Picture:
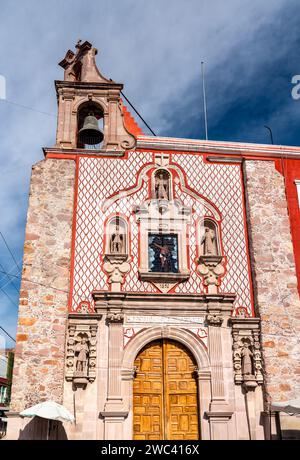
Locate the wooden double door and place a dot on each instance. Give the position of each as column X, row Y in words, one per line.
column 165, row 396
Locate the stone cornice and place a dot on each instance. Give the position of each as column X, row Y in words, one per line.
column 133, row 302
column 108, row 295
column 237, row 149
column 242, row 323
column 104, row 86
column 84, row 316
column 85, row 152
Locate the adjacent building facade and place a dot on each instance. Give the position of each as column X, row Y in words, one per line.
column 159, row 296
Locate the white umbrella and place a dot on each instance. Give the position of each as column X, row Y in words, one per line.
column 291, row 407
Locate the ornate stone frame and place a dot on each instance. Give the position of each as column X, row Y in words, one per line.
column 215, row 407
column 174, row 219
column 195, row 346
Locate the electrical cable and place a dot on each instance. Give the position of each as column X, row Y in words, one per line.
column 10, row 251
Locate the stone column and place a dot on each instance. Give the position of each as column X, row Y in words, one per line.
column 114, row 413
column 220, row 412
column 204, row 393
column 113, row 101
column 215, row 351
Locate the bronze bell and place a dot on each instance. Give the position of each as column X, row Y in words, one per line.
column 90, row 134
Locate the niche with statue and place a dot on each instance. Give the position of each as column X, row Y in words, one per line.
column 211, row 262
column 116, row 251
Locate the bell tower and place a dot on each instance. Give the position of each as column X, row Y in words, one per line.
column 89, row 103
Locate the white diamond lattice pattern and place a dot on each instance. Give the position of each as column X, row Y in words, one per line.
column 100, row 178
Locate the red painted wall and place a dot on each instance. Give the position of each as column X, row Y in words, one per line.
column 291, row 171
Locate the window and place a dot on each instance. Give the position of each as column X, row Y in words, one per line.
column 163, row 253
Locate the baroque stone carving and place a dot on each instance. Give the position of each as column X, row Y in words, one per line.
column 211, row 268
column 81, row 352
column 116, row 267
column 214, row 320
column 247, row 359
column 117, row 241
column 209, row 242
column 161, row 186
column 115, row 317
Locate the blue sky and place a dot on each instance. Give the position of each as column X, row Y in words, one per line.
column 155, row 47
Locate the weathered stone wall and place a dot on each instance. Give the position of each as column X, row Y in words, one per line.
column 274, row 276
column 39, row 361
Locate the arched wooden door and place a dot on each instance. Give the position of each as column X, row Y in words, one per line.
column 165, row 399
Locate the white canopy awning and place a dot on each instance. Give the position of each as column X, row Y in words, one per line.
column 49, row 410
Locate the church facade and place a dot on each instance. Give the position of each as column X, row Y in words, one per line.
column 159, row 293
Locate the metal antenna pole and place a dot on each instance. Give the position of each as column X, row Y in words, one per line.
column 271, row 134
column 204, row 100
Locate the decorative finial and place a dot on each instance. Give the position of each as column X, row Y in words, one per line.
column 78, row 44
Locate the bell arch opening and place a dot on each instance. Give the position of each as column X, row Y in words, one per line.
column 165, row 392
column 90, row 126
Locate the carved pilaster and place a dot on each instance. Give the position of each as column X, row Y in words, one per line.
column 211, row 268
column 247, row 359
column 214, row 321
column 114, row 319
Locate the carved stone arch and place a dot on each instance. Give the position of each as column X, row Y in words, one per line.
column 81, row 100
column 183, row 336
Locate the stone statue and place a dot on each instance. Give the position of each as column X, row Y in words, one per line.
column 117, row 242
column 209, row 242
column 161, row 187
column 82, row 349
column 247, row 356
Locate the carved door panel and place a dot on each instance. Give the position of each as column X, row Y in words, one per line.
column 165, row 403
column 148, row 393
column 181, row 392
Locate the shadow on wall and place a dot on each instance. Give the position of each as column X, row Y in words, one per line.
column 42, row 429
column 290, row 435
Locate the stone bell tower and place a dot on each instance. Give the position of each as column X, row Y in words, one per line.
column 84, row 90
column 48, row 263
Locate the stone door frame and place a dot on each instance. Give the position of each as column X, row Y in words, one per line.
column 196, row 348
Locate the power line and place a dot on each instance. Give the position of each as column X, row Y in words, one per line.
column 35, row 282
column 7, row 333
column 138, row 114
column 11, row 281
column 13, row 257
column 12, row 301
column 52, row 115
column 28, row 108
